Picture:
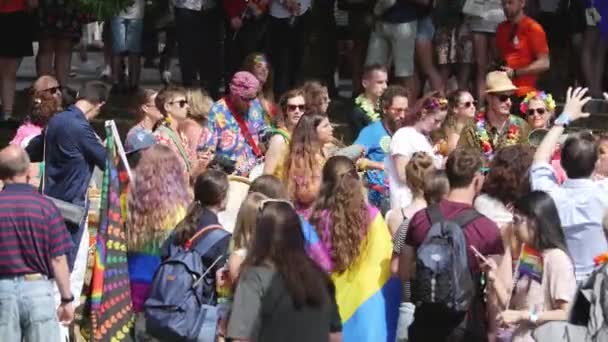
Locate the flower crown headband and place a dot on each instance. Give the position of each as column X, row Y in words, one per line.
column 546, row 98
column 435, row 103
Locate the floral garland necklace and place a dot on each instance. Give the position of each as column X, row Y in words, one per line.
column 368, row 107
column 488, row 145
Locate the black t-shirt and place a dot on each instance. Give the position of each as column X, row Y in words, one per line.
column 263, row 310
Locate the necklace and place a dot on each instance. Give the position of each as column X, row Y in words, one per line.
column 368, row 107
column 488, row 145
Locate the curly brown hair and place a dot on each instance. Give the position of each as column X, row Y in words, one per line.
column 304, row 151
column 42, row 107
column 281, row 117
column 341, row 204
column 417, row 171
column 508, row 179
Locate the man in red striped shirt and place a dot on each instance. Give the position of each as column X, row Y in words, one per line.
column 33, row 246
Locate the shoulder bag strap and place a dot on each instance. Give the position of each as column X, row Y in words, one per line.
column 466, row 217
column 215, row 234
column 43, row 180
column 244, row 128
column 178, row 142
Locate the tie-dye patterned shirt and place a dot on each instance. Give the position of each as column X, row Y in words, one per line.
column 226, row 138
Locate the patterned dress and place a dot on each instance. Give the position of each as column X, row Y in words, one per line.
column 227, row 139
column 61, row 18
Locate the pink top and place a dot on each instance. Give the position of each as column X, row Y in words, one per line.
column 25, row 133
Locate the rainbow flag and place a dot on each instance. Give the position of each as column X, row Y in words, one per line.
column 108, row 308
column 530, row 264
column 368, row 296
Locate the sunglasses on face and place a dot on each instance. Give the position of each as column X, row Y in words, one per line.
column 469, row 104
column 182, row 103
column 504, row 98
column 53, row 90
column 540, row 111
column 292, row 108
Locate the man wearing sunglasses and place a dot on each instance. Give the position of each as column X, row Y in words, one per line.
column 496, row 128
column 236, row 124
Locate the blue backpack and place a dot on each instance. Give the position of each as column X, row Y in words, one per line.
column 177, row 308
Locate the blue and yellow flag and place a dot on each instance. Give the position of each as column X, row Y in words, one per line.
column 368, row 296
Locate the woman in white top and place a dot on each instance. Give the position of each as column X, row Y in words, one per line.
column 430, row 112
column 506, row 182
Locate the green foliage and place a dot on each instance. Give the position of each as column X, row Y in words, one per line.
column 103, row 9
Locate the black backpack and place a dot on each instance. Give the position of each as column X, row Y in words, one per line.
column 443, row 275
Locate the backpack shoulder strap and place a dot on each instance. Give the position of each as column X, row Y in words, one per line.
column 466, row 217
column 194, row 240
column 435, row 214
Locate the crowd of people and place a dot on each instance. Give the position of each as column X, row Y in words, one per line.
column 447, row 219
column 438, row 45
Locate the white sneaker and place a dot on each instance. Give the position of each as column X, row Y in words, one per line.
column 106, row 72
column 166, row 77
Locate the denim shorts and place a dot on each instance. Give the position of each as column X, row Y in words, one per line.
column 28, row 310
column 426, row 29
column 127, row 35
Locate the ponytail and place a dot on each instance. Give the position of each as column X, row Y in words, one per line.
column 187, row 227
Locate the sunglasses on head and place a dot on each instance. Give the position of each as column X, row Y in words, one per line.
column 291, row 108
column 540, row 111
column 272, row 200
column 53, row 90
column 469, row 104
column 182, row 103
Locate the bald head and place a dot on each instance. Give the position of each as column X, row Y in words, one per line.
column 14, row 163
column 45, row 82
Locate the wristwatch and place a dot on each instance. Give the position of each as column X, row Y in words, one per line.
column 533, row 317
column 67, row 300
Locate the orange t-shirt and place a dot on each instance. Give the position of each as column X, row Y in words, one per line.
column 9, row 6
column 521, row 50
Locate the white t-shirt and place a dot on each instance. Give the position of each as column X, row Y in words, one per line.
column 405, row 142
column 135, row 11
column 494, row 210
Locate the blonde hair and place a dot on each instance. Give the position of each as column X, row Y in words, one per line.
column 417, row 170
column 199, row 103
column 244, row 228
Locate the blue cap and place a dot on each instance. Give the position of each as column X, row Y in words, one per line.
column 139, row 141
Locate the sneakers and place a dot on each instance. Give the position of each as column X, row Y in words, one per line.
column 106, row 73
column 165, row 77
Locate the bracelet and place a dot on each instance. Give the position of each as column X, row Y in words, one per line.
column 562, row 120
column 67, row 300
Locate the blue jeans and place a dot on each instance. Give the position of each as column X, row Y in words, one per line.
column 127, row 35
column 28, row 310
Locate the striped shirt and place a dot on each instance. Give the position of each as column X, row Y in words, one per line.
column 32, row 232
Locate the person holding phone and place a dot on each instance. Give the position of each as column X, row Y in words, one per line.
column 533, row 298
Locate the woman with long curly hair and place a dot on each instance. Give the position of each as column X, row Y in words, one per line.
column 316, row 96
column 349, row 239
column 157, row 202
column 302, row 170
